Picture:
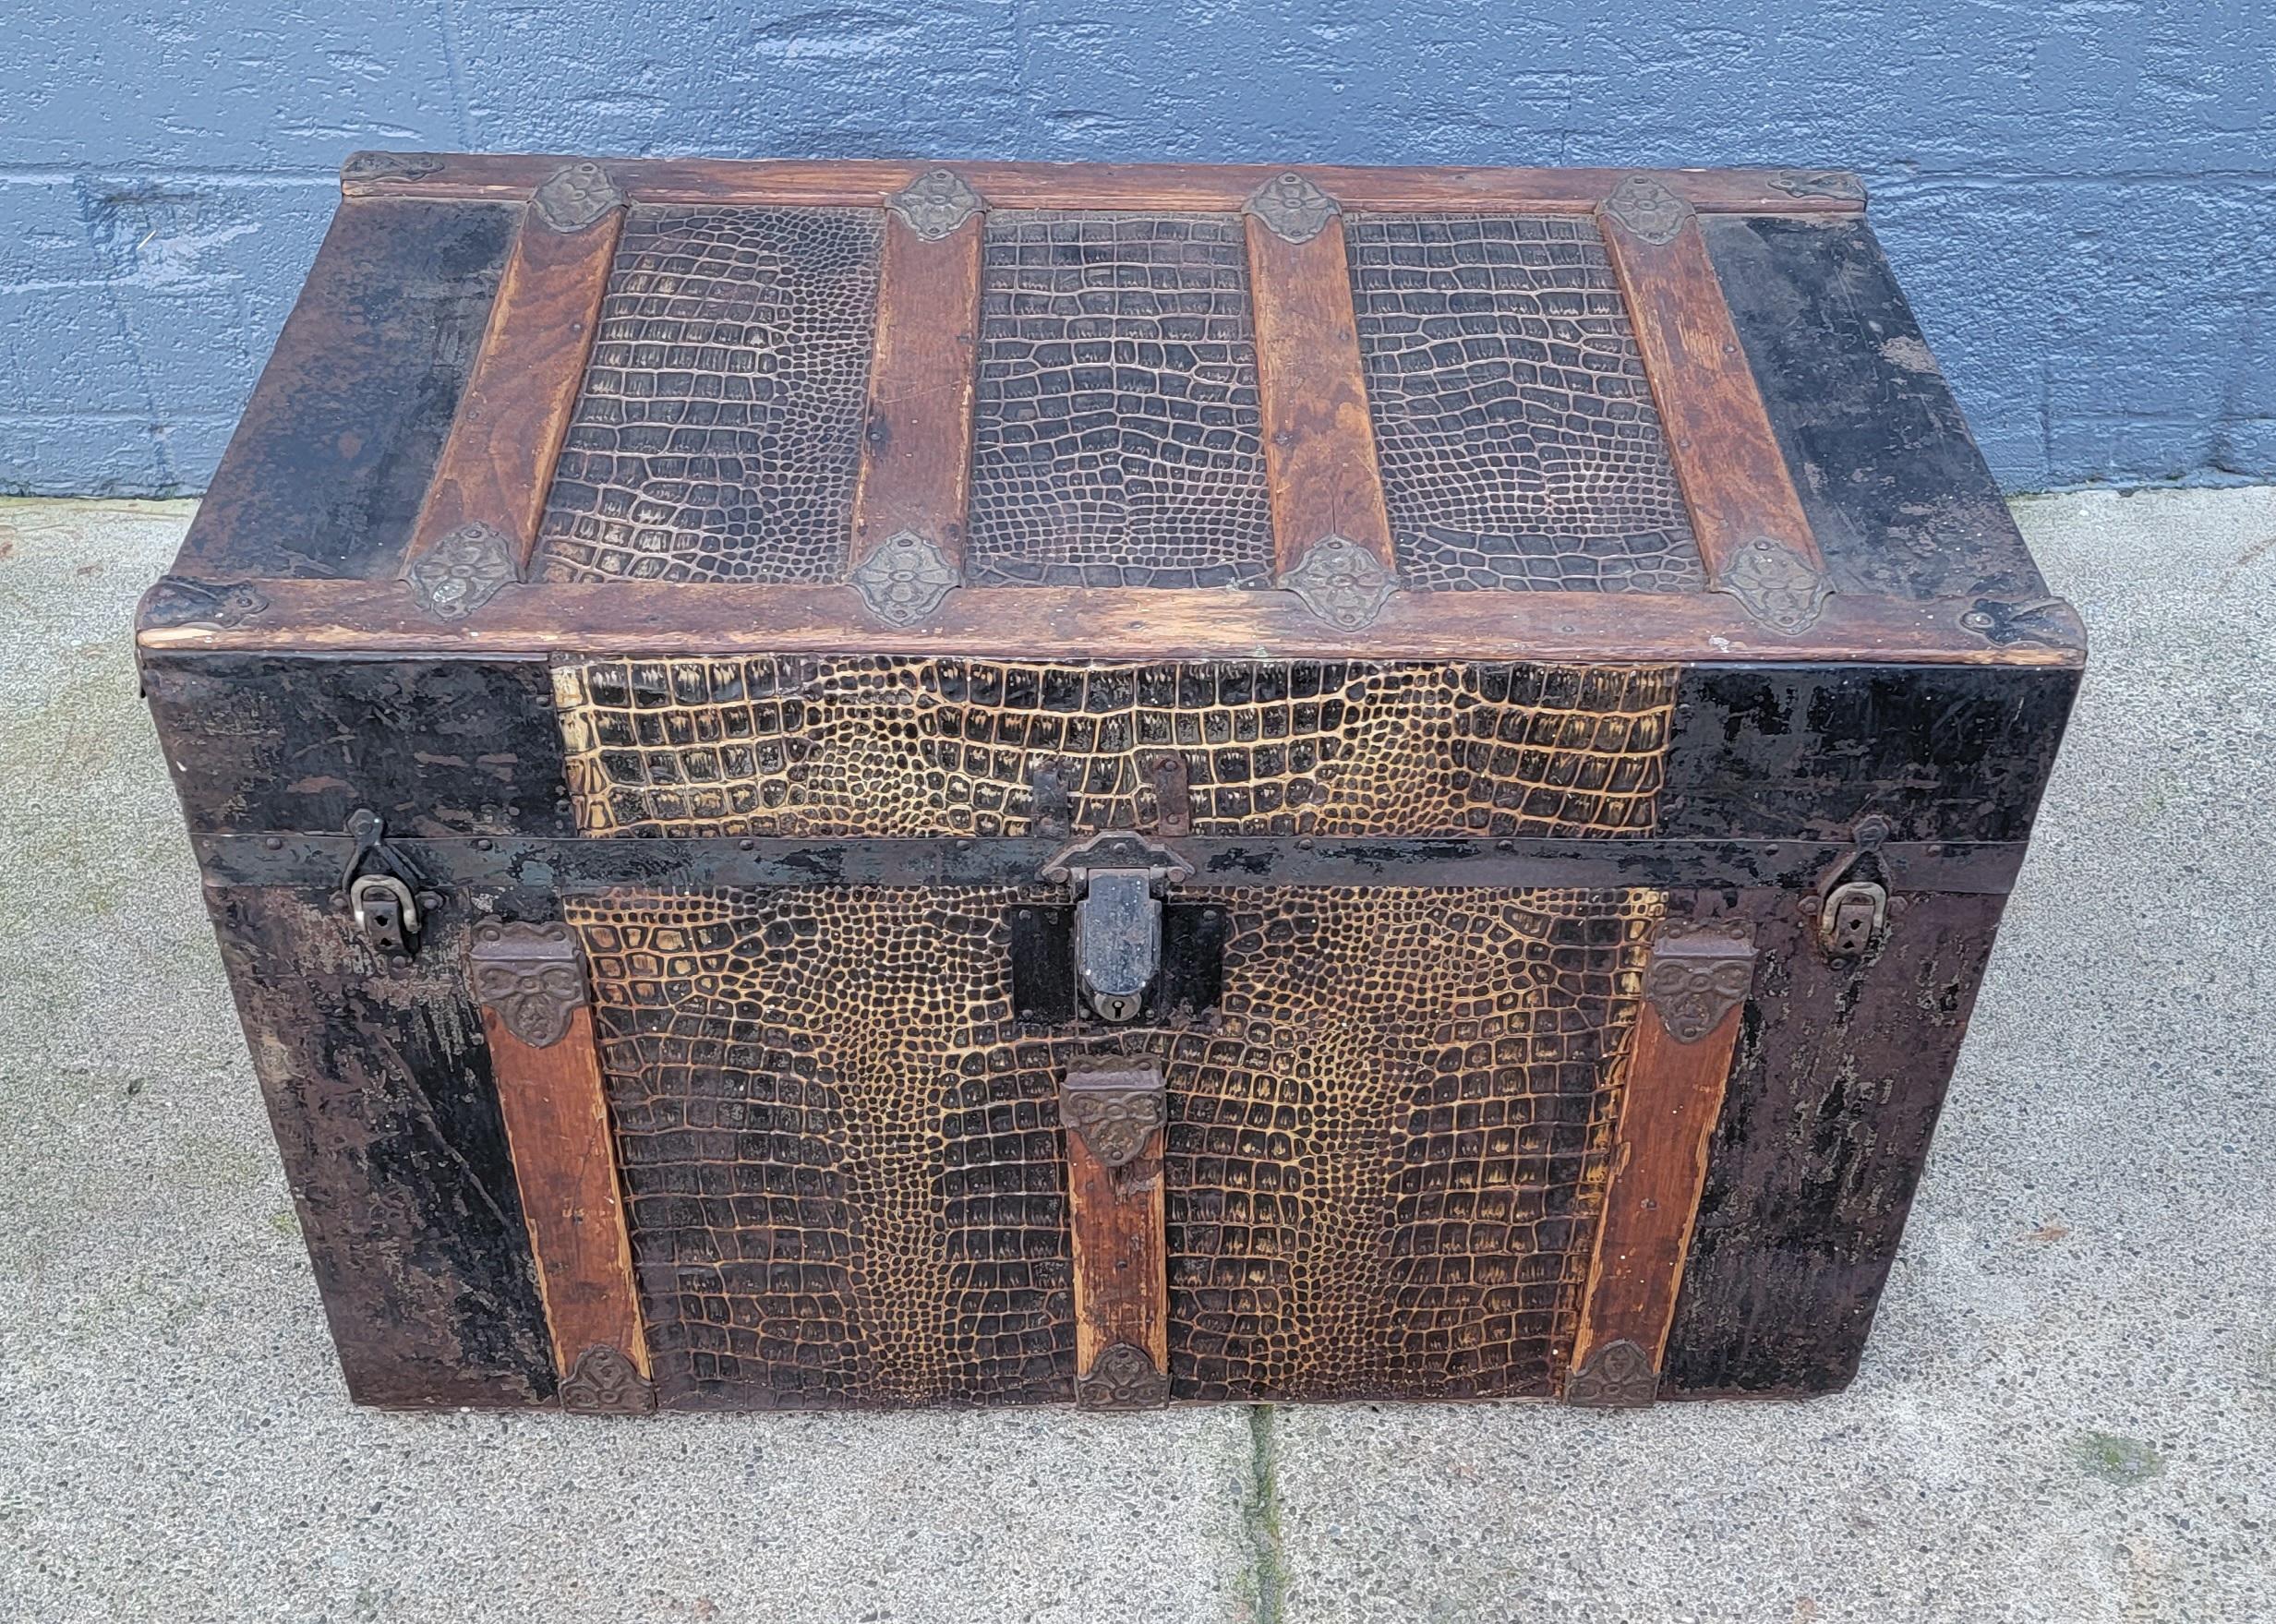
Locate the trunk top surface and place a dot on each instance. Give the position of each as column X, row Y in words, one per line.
column 1104, row 413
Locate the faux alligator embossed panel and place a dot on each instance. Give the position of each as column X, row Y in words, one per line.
column 716, row 434
column 888, row 746
column 1519, row 443
column 1116, row 438
column 846, row 1176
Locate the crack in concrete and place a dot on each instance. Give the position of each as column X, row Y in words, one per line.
column 1261, row 1519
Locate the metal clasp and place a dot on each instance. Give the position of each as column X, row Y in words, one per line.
column 1118, row 880
column 1852, row 916
column 385, row 912
column 385, row 907
column 1853, row 904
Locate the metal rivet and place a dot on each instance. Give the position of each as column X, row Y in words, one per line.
column 746, row 846
column 273, row 843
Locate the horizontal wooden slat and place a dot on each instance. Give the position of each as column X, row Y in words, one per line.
column 866, row 182
column 1042, row 622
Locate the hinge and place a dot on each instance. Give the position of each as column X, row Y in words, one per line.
column 1118, row 880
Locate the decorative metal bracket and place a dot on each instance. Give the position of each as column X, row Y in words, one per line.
column 371, row 167
column 606, row 1383
column 576, row 196
column 1342, row 582
column 905, row 580
column 1115, row 1104
column 1819, row 183
column 531, row 976
column 1776, row 585
column 176, row 600
column 1649, row 211
column 936, row 203
column 1619, row 1375
column 1693, row 981
column 462, row 572
column 1292, row 207
column 1124, row 1376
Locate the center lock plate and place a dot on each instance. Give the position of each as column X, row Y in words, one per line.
column 1124, row 952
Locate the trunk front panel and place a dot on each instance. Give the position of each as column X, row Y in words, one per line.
column 845, row 1177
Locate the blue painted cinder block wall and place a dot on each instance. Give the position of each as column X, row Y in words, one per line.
column 2080, row 195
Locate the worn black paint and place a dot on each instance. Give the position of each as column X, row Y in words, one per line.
column 1890, row 477
column 1840, row 1073
column 295, row 742
column 378, row 1086
column 328, row 468
column 1942, row 752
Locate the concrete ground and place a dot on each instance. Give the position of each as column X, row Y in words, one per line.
column 2067, row 1413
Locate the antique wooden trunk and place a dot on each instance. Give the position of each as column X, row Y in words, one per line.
column 883, row 784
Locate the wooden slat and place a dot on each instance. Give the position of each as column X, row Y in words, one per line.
column 643, row 617
column 1674, row 1092
column 1319, row 439
column 1116, row 1229
column 1727, row 459
column 497, row 463
column 917, row 445
column 866, row 182
column 556, row 1115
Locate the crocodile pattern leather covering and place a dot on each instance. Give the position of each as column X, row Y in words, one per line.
column 1117, row 440
column 909, row 746
column 1518, row 440
column 717, row 433
column 846, row 1178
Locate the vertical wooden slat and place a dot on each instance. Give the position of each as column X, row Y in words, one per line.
column 497, row 463
column 1116, row 1226
column 529, row 982
column 1736, row 485
column 1695, row 990
column 1319, row 439
column 915, row 472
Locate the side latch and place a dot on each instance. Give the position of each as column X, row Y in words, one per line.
column 382, row 890
column 1118, row 880
column 1852, row 905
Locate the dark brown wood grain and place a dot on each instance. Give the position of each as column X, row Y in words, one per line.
column 379, row 1090
column 1667, row 1111
column 1839, row 1079
column 1116, row 1228
column 1319, row 439
column 917, row 444
column 860, row 183
column 565, row 1161
column 328, row 467
column 497, row 463
column 1896, row 491
column 1041, row 623
column 1735, row 480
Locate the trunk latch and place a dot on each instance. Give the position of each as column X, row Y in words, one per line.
column 1118, row 880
